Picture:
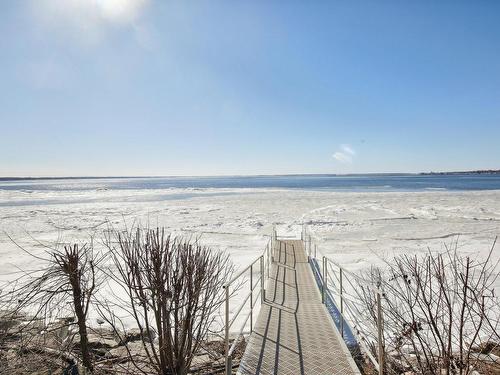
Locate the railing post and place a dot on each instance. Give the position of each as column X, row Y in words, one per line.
column 251, row 298
column 308, row 250
column 268, row 258
column 262, row 290
column 341, row 304
column 271, row 249
column 323, row 286
column 302, row 241
column 226, row 340
column 380, row 335
column 315, row 250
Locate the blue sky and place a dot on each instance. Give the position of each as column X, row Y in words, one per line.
column 138, row 87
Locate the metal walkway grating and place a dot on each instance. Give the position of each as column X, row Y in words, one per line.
column 294, row 333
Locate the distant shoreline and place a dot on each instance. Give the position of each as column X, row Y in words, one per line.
column 452, row 173
column 480, row 171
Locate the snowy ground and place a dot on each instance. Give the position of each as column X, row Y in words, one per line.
column 357, row 229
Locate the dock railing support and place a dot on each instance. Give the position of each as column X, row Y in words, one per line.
column 251, row 297
column 258, row 285
column 325, row 278
column 309, row 246
column 380, row 335
column 344, row 278
column 268, row 251
column 341, row 303
column 262, row 273
column 228, row 357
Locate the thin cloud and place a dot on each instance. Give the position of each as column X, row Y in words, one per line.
column 345, row 154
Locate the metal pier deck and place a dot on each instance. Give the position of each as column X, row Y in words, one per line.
column 294, row 333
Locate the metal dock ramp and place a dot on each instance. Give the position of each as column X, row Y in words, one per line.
column 293, row 332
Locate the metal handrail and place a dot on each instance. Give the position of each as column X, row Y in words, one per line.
column 350, row 306
column 239, row 274
column 358, row 278
column 311, row 247
column 264, row 260
column 240, row 333
column 243, row 303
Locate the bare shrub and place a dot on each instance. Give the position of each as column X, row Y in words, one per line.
column 66, row 276
column 174, row 291
column 439, row 311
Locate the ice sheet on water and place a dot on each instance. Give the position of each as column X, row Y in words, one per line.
column 357, row 229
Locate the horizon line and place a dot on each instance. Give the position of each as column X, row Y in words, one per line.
column 89, row 177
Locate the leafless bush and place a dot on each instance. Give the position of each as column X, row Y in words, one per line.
column 439, row 311
column 66, row 276
column 174, row 291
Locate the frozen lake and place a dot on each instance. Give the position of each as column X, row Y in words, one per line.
column 358, row 228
